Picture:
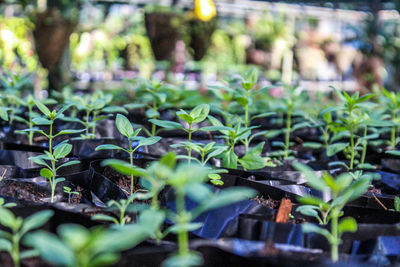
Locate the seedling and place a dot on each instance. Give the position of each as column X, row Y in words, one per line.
column 93, row 106
column 188, row 181
column 392, row 101
column 233, row 135
column 290, row 105
column 13, row 84
column 18, row 228
column 125, row 128
column 69, row 191
column 151, row 95
column 153, row 177
column 342, row 190
column 244, row 96
column 54, row 154
column 76, row 246
column 197, row 115
column 121, row 206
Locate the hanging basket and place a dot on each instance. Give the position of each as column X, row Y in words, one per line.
column 163, row 31
column 51, row 36
column 200, row 36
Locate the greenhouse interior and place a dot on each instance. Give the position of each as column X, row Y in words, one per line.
column 215, row 133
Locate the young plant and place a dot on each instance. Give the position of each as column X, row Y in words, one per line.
column 392, row 104
column 232, row 135
column 69, row 192
column 54, row 154
column 121, row 206
column 153, row 178
column 93, row 105
column 189, row 181
column 351, row 121
column 76, row 246
column 342, row 190
column 13, row 85
column 206, row 151
column 196, row 115
column 289, row 106
column 10, row 241
column 243, row 96
column 151, row 95
column 126, row 129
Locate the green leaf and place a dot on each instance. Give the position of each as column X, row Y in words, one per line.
column 69, row 163
column 41, row 121
column 311, row 228
column 134, row 106
column 5, row 245
column 51, row 248
column 336, row 148
column 188, row 259
column 184, row 116
column 36, row 220
column 393, row 152
column 114, row 109
column 124, row 126
column 62, row 132
column 169, row 160
column 103, row 217
column 42, row 108
column 312, row 179
column 366, row 166
column 62, row 150
column 38, row 160
column 46, row 173
column 124, row 167
column 347, row 224
column 215, row 128
column 200, row 113
column 309, row 210
column 108, row 146
column 223, row 198
column 313, row 145
column 166, row 124
column 252, row 161
column 310, row 200
column 149, row 141
column 7, row 218
column 187, row 227
column 242, row 101
column 396, row 203
column 31, row 253
column 263, row 115
column 229, row 159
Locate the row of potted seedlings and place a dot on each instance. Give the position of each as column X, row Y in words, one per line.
column 181, row 178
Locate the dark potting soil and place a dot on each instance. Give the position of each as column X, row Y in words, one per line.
column 121, row 180
column 6, row 261
column 22, row 190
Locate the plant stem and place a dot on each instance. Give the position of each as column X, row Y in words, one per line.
column 334, row 232
column 393, row 131
column 52, row 181
column 364, row 151
column 190, row 140
column 15, row 250
column 94, row 124
column 131, row 162
column 288, row 130
column 246, row 112
column 183, row 240
column 51, row 138
column 30, row 124
column 352, row 147
column 87, row 123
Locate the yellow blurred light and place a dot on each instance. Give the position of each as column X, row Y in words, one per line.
column 205, row 9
